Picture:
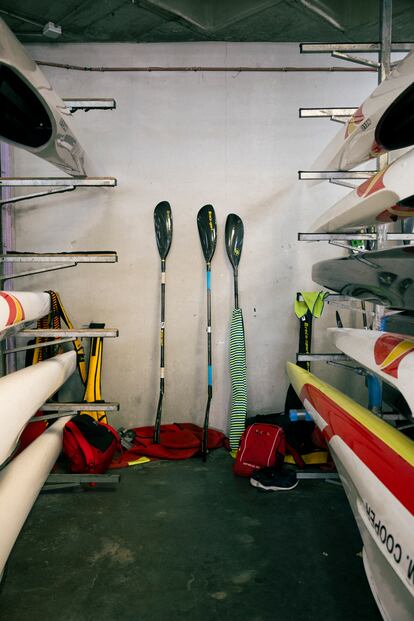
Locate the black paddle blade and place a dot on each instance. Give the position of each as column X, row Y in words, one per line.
column 207, row 229
column 338, row 320
column 163, row 227
column 234, row 238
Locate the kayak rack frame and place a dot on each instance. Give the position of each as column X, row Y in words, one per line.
column 90, row 104
column 339, row 115
column 61, row 184
column 335, row 237
column 64, row 260
column 63, row 332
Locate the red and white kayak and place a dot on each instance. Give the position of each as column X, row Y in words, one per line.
column 23, row 392
column 386, row 197
column 32, row 115
column 20, row 307
column 376, row 466
column 389, row 355
column 384, row 122
column 21, row 481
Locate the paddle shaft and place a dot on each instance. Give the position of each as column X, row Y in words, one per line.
column 210, row 363
column 162, row 356
column 236, row 286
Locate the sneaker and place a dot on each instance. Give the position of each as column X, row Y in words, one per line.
column 273, row 480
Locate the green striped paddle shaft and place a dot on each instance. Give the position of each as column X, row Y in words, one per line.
column 238, row 375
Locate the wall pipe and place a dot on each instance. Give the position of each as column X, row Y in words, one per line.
column 210, row 69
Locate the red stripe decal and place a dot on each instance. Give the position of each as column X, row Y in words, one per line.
column 11, row 302
column 388, row 466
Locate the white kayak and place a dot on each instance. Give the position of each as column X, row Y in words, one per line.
column 23, row 392
column 20, row 307
column 376, row 466
column 386, row 197
column 384, row 122
column 389, row 355
column 21, row 481
column 32, row 115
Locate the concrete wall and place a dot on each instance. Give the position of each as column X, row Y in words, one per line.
column 230, row 139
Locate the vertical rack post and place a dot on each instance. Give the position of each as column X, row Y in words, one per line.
column 8, row 364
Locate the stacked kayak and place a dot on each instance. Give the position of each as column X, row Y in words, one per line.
column 391, row 356
column 384, row 277
column 374, row 460
column 21, row 481
column 23, row 392
column 33, row 116
column 384, row 122
column 21, row 395
column 386, row 197
column 376, row 466
column 19, row 307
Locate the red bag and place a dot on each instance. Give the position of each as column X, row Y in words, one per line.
column 259, row 446
column 88, row 445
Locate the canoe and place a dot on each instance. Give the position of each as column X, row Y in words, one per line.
column 23, row 392
column 391, row 356
column 383, row 122
column 33, row 115
column 386, row 197
column 376, row 466
column 20, row 307
column 21, row 481
column 383, row 277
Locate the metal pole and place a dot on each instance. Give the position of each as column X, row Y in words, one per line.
column 375, row 385
column 7, row 244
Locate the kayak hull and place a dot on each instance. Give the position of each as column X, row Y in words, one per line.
column 21, row 481
column 22, row 393
column 33, row 115
column 388, row 355
column 382, row 123
column 387, row 197
column 376, row 465
column 20, row 307
column 383, row 277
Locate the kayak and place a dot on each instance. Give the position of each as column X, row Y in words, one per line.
column 391, row 356
column 386, row 197
column 376, row 465
column 21, row 481
column 383, row 122
column 23, row 392
column 33, row 115
column 383, row 277
column 21, row 307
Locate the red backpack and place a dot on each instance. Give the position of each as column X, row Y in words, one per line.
column 259, row 446
column 89, row 445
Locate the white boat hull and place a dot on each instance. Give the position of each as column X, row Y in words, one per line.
column 20, row 307
column 376, row 466
column 21, row 481
column 358, row 140
column 33, row 116
column 388, row 355
column 23, row 392
column 383, row 198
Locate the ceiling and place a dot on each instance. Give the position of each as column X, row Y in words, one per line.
column 206, row 20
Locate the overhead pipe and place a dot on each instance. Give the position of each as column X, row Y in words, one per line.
column 207, row 69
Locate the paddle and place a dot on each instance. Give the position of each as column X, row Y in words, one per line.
column 234, row 235
column 163, row 233
column 207, row 229
column 234, row 245
column 292, row 401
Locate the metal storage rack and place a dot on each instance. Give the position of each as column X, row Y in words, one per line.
column 383, row 66
column 57, row 261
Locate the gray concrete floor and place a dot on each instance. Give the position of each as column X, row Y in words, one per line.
column 187, row 540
